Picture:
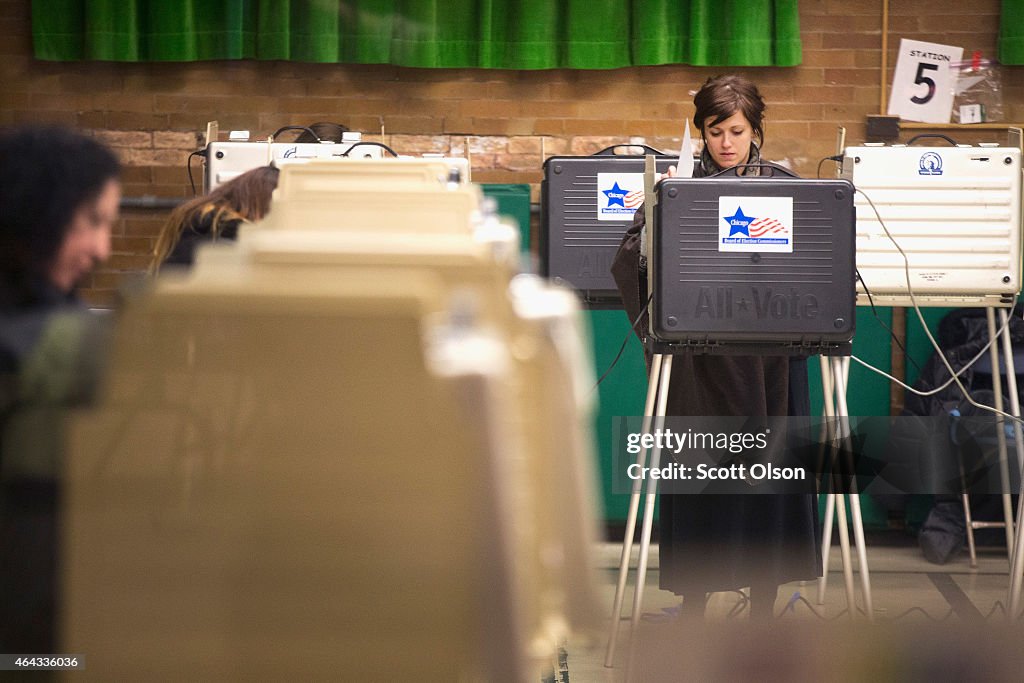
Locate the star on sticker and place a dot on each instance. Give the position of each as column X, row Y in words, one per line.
column 616, row 195
column 738, row 223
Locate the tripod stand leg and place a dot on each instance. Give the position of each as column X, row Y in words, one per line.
column 827, row 393
column 842, row 414
column 826, row 544
column 1016, row 571
column 844, row 548
column 1016, row 566
column 862, row 554
column 972, row 551
column 634, row 505
column 652, row 489
column 1004, row 463
column 648, row 519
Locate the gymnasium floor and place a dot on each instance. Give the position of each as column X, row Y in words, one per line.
column 912, row 599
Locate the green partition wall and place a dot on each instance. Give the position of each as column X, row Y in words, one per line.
column 624, row 389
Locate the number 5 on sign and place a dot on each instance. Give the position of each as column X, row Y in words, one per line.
column 922, row 87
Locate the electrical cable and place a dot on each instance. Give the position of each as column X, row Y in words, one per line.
column 370, row 144
column 797, row 598
column 624, row 342
column 912, row 610
column 997, row 606
column 284, row 128
column 188, row 164
column 835, row 157
column 955, row 376
column 932, row 392
column 881, row 322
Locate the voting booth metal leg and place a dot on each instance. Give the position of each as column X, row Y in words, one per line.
column 1016, row 566
column 648, row 518
column 652, row 491
column 1004, row 469
column 830, row 498
column 834, row 373
column 634, row 505
column 858, row 520
column 1004, row 461
column 844, row 530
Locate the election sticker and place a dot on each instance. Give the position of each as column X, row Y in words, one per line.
column 619, row 195
column 755, row 224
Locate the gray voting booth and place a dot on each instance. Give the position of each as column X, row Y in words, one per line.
column 753, row 265
column 587, row 204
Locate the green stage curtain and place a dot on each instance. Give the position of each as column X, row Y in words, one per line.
column 493, row 34
column 1011, row 32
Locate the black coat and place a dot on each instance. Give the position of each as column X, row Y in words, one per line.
column 714, row 542
column 50, row 352
column 199, row 231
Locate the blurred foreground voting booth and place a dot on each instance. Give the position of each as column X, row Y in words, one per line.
column 356, row 443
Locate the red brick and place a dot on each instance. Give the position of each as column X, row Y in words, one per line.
column 810, row 8
column 549, row 127
column 554, row 145
column 122, row 262
column 131, row 245
column 521, row 126
column 823, row 94
column 854, row 7
column 827, row 57
column 419, row 144
column 851, row 77
column 132, row 121
column 867, row 23
column 582, row 145
column 524, row 145
column 597, row 127
column 91, row 119
column 137, row 174
column 556, row 109
column 131, row 139
column 175, row 139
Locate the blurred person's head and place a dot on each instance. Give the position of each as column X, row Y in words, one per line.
column 245, row 198
column 59, row 198
column 730, row 115
column 323, row 131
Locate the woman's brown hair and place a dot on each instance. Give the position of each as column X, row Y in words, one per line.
column 722, row 96
column 246, row 198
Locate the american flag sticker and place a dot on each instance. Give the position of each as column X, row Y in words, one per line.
column 761, row 224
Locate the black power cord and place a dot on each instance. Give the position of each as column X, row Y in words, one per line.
column 838, row 158
column 892, row 334
column 370, row 144
column 624, row 342
column 284, row 128
column 188, row 164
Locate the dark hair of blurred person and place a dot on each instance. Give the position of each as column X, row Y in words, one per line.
column 59, row 198
column 213, row 216
column 324, row 131
column 59, row 195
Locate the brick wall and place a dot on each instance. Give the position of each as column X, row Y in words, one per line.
column 153, row 114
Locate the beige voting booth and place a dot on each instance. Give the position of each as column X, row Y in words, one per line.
column 332, row 454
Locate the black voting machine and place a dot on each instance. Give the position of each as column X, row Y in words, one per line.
column 753, row 265
column 585, row 211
